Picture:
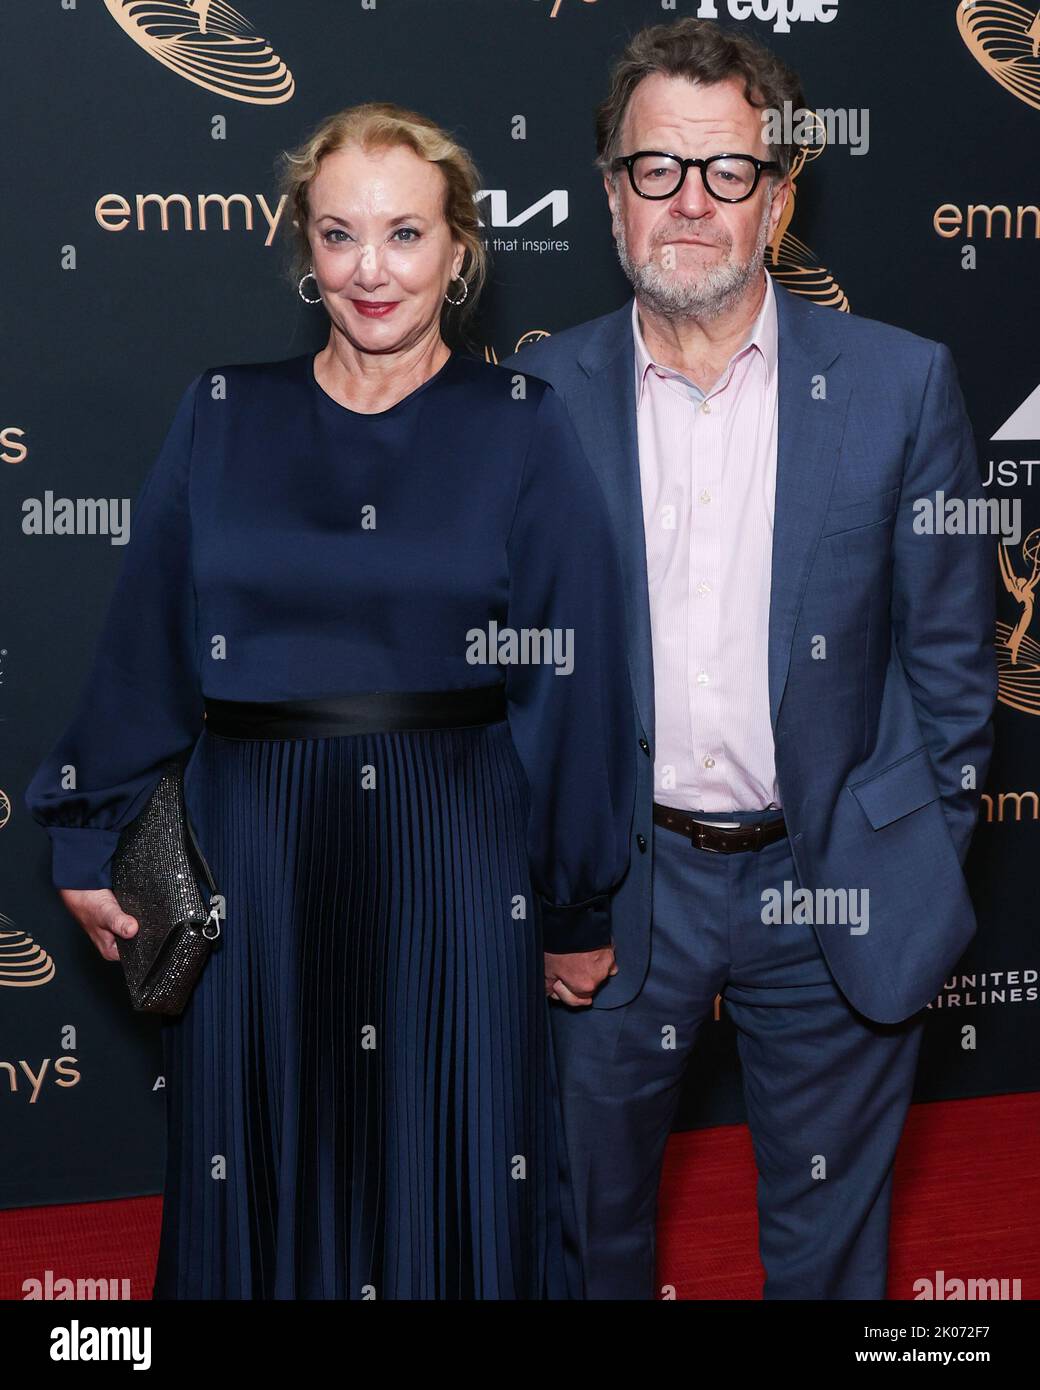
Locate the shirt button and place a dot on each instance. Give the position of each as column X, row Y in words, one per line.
column 705, row 495
column 709, row 761
column 706, row 407
column 702, row 678
column 704, row 587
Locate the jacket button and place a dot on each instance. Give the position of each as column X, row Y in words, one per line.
column 641, row 842
column 644, row 746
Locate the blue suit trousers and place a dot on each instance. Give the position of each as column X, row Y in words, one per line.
column 826, row 1089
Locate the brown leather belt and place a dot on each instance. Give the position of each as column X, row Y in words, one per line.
column 754, row 835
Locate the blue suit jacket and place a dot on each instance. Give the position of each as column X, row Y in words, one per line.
column 874, row 742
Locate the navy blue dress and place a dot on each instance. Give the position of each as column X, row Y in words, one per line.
column 361, row 1092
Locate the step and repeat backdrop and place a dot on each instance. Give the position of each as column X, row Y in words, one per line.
column 143, row 238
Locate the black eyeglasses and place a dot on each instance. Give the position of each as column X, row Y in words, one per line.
column 728, row 177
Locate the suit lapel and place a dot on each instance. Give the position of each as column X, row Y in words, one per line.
column 604, row 414
column 810, row 426
column 809, row 433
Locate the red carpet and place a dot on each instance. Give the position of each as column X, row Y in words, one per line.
column 966, row 1180
column 964, row 1201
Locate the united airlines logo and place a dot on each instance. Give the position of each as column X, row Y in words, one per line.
column 1005, row 39
column 208, row 43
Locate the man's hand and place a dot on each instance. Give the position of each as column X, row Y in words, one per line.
column 575, row 976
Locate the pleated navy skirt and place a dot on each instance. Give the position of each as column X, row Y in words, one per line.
column 361, row 1097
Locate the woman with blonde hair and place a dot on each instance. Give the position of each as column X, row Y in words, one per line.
column 325, row 555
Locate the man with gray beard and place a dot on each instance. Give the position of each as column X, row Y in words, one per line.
column 814, row 683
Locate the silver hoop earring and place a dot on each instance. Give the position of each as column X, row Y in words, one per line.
column 309, row 276
column 465, row 292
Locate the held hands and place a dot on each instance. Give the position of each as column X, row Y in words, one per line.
column 99, row 914
column 574, row 977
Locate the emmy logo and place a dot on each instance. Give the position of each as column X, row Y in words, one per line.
column 789, row 260
column 201, row 8
column 23, row 963
column 531, row 336
column 1018, row 655
column 208, row 43
column 1005, row 39
column 556, row 4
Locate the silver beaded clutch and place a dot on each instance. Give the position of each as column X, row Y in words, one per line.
column 155, row 872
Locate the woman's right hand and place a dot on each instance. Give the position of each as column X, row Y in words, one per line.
column 98, row 912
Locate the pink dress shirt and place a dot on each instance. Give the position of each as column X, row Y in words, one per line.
column 707, row 466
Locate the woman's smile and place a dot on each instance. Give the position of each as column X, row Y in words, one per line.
column 375, row 308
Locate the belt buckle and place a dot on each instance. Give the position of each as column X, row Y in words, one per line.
column 697, row 837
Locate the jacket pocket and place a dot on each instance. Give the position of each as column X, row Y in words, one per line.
column 863, row 511
column 897, row 790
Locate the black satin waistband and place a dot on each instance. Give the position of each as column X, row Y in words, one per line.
column 370, row 712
